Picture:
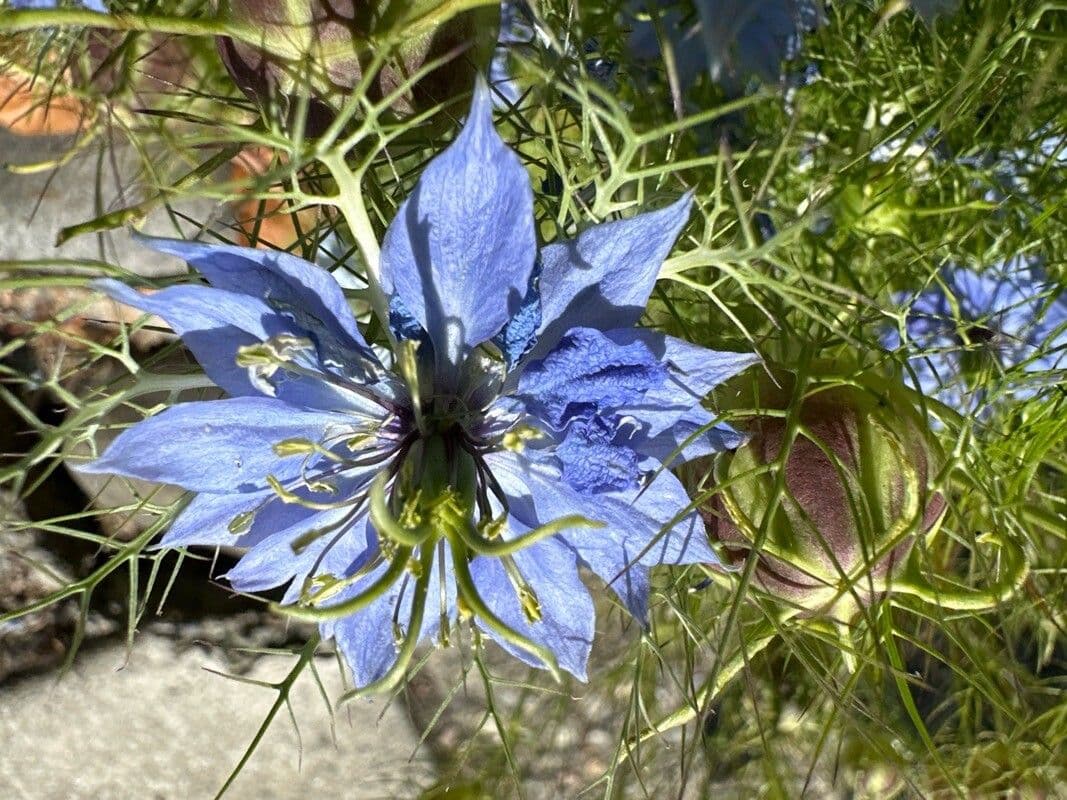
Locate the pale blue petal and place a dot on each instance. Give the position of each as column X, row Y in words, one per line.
column 640, row 529
column 567, row 623
column 273, row 562
column 289, row 285
column 402, row 323
column 366, row 638
column 212, row 323
column 344, row 557
column 215, row 323
column 696, row 430
column 216, row 445
column 344, row 547
column 693, row 372
column 520, row 333
column 206, row 520
column 603, row 278
column 460, row 250
column 593, row 459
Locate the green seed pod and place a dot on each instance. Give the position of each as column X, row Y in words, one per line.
column 321, row 48
column 855, row 495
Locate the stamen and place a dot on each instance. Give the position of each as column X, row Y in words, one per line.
column 407, row 647
column 516, row 438
column 384, row 521
column 531, row 605
column 312, row 610
column 469, row 592
column 303, row 447
column 242, row 523
column 287, row 496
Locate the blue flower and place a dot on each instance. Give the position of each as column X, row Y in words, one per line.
column 1007, row 318
column 929, row 10
column 732, row 39
column 516, row 433
column 92, row 5
column 516, row 32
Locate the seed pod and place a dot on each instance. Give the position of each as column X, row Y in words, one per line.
column 322, row 47
column 855, row 497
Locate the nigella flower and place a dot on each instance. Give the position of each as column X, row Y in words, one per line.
column 517, row 433
column 731, row 39
column 92, row 5
column 929, row 10
column 516, row 32
column 1005, row 318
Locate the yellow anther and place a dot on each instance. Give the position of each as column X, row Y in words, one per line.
column 516, row 439
column 242, row 523
column 294, row 447
column 531, row 606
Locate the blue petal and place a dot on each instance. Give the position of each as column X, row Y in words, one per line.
column 567, row 623
column 460, row 250
column 402, row 323
column 603, row 278
column 273, row 562
column 366, row 638
column 289, row 285
column 206, row 520
column 520, row 333
column 216, row 445
column 592, row 460
column 515, row 29
column 640, row 526
column 693, row 372
column 214, row 323
column 696, row 431
column 754, row 36
column 585, row 372
column 686, row 44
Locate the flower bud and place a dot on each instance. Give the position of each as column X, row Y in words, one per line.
column 855, row 496
column 321, row 48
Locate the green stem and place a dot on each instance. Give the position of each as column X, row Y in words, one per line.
column 716, row 682
column 283, row 688
column 349, row 200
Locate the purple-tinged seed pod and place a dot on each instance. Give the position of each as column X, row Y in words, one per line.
column 856, row 496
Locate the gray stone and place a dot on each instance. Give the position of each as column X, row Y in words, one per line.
column 35, row 207
column 160, row 725
column 55, row 321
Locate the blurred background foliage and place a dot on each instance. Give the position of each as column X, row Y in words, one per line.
column 890, row 145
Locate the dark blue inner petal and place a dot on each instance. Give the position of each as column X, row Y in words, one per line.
column 520, row 333
column 593, row 458
column 403, row 322
column 585, row 372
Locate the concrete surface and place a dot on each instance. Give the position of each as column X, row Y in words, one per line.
column 35, row 207
column 163, row 728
